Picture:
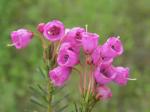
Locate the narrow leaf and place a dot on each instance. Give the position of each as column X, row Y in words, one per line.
column 35, row 90
column 76, row 108
column 42, row 89
column 36, row 101
column 38, row 93
column 57, row 102
column 62, row 108
column 42, row 72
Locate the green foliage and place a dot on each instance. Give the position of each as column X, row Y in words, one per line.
column 40, row 93
column 126, row 18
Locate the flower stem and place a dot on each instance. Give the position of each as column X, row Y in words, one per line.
column 49, row 96
column 88, row 106
column 50, row 59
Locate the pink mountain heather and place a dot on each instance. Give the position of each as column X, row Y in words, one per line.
column 40, row 27
column 74, row 36
column 54, row 30
column 21, row 38
column 89, row 42
column 112, row 48
column 67, row 57
column 68, row 47
column 122, row 75
column 103, row 93
column 104, row 74
column 59, row 75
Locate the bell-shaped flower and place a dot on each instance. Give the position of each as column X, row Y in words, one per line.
column 89, row 42
column 74, row 36
column 112, row 48
column 59, row 75
column 122, row 75
column 96, row 56
column 68, row 46
column 54, row 30
column 21, row 38
column 67, row 57
column 104, row 74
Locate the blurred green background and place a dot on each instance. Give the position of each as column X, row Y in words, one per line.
column 130, row 19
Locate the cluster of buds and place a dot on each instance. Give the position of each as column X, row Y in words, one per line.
column 73, row 46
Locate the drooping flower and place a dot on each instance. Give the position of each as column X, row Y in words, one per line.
column 105, row 59
column 89, row 42
column 54, row 30
column 74, row 36
column 122, row 75
column 104, row 74
column 67, row 57
column 112, row 48
column 40, row 27
column 21, row 38
column 59, row 75
column 96, row 56
column 68, row 46
column 103, row 92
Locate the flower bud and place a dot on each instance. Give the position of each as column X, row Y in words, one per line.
column 21, row 38
column 40, row 27
column 103, row 93
column 59, row 75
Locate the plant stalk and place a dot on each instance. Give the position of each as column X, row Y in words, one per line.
column 49, row 97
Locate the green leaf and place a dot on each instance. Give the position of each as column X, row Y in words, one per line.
column 57, row 102
column 42, row 89
column 76, row 108
column 36, row 101
column 35, row 90
column 39, row 94
column 42, row 73
column 62, row 108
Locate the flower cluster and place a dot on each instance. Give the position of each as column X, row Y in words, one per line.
column 70, row 43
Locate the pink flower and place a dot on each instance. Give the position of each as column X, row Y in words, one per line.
column 21, row 38
column 112, row 48
column 54, row 30
column 69, row 46
column 59, row 75
column 89, row 42
column 40, row 27
column 104, row 74
column 96, row 56
column 67, row 57
column 122, row 75
column 103, row 92
column 67, row 30
column 74, row 36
